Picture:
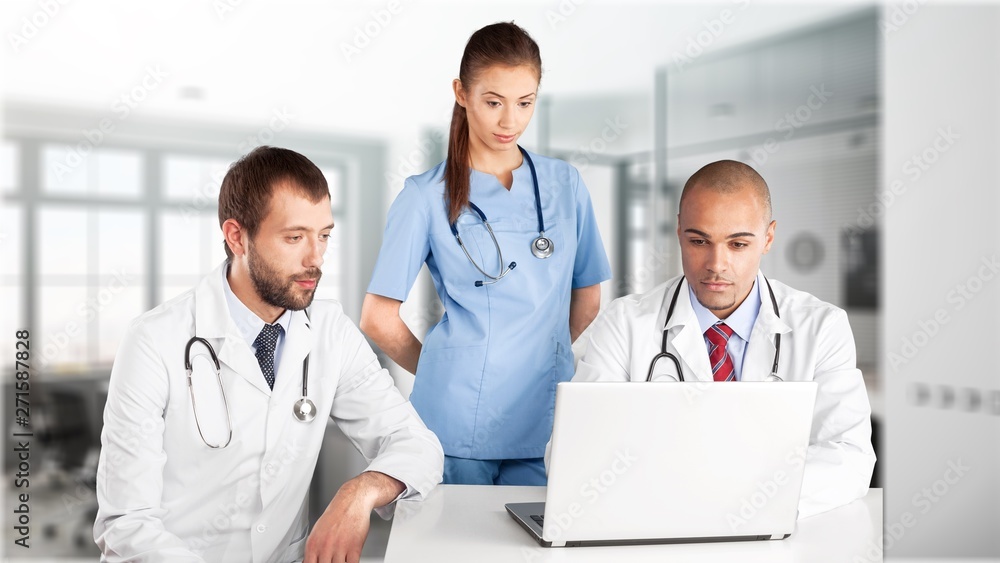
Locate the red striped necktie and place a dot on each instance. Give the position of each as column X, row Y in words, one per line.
column 722, row 364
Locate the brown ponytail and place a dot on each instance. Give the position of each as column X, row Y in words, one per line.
column 456, row 170
column 497, row 44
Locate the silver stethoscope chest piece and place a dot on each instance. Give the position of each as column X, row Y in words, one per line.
column 304, row 409
column 541, row 247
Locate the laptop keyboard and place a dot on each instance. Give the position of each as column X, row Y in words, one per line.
column 540, row 520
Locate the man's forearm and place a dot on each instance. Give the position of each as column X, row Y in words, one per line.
column 340, row 532
column 373, row 488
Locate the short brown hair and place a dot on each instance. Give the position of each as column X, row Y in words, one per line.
column 246, row 190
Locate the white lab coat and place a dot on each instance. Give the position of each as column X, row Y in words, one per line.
column 816, row 345
column 164, row 495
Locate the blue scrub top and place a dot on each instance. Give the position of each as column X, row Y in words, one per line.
column 487, row 373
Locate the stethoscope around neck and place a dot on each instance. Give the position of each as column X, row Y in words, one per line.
column 304, row 410
column 541, row 247
column 680, row 373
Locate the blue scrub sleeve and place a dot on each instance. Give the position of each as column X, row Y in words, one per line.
column 591, row 265
column 405, row 245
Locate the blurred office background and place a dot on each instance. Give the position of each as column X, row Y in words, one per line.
column 120, row 120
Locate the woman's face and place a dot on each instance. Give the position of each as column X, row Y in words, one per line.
column 499, row 105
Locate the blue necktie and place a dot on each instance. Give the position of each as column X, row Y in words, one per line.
column 265, row 343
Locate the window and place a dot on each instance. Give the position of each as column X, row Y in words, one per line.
column 112, row 241
column 190, row 246
column 104, row 172
column 91, row 276
column 194, row 180
column 10, row 167
column 332, row 285
column 11, row 243
column 11, row 266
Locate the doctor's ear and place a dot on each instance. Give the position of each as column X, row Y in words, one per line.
column 233, row 233
column 769, row 236
column 456, row 85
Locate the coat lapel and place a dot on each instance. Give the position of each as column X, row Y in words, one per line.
column 759, row 355
column 686, row 339
column 214, row 323
column 288, row 382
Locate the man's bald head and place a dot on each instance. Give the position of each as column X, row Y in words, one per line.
column 727, row 177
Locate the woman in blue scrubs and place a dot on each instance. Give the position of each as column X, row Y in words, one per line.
column 486, row 373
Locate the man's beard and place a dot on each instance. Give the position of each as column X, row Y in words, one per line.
column 275, row 290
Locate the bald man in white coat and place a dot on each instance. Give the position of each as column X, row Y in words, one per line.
column 724, row 228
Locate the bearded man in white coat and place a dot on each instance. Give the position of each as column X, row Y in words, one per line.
column 199, row 466
column 724, row 324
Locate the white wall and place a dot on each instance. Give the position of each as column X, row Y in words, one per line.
column 942, row 72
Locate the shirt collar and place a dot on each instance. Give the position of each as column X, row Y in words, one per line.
column 485, row 180
column 741, row 320
column 248, row 323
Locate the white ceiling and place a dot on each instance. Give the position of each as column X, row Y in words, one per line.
column 262, row 56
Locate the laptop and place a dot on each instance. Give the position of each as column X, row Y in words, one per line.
column 648, row 463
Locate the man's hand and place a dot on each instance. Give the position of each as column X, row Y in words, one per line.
column 340, row 532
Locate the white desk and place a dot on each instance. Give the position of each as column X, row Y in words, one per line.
column 469, row 523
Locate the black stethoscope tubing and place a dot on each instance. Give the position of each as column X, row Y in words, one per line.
column 663, row 343
column 218, row 375
column 304, row 409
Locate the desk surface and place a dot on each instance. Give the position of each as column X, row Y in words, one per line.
column 469, row 523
